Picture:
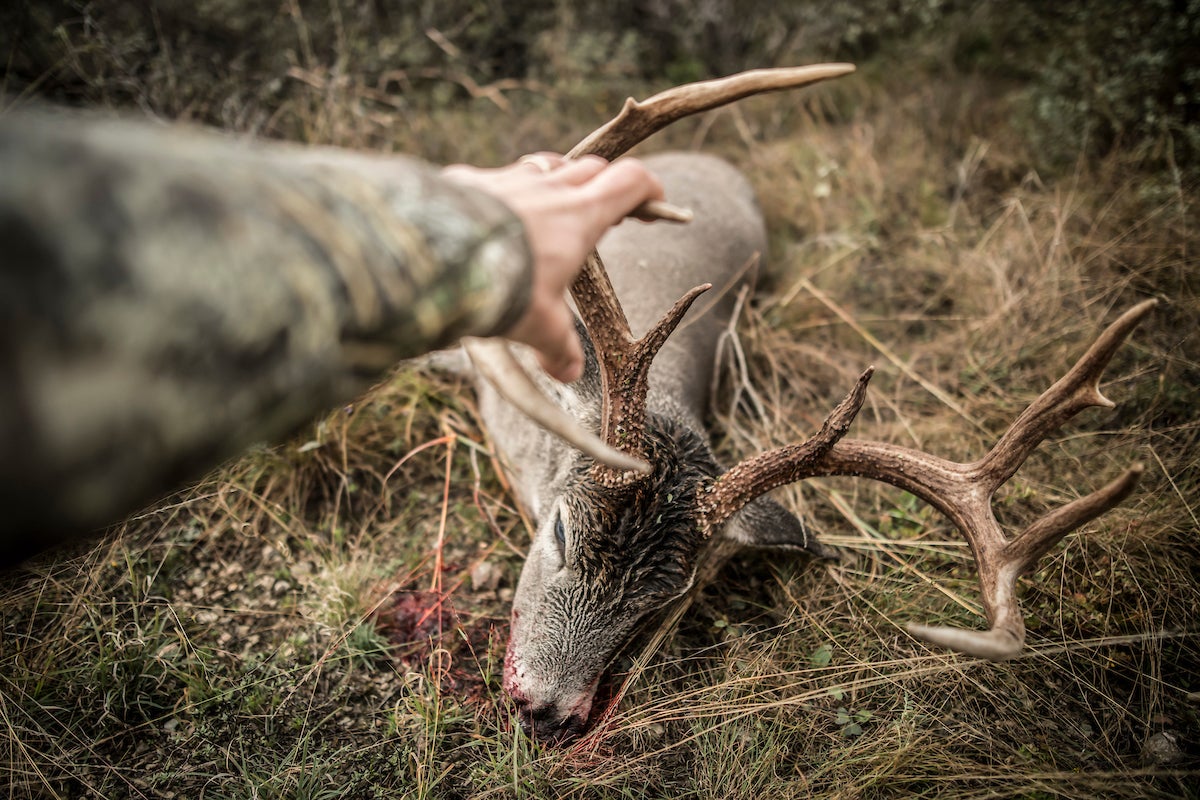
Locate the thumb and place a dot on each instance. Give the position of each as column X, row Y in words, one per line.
column 550, row 329
column 619, row 189
column 561, row 355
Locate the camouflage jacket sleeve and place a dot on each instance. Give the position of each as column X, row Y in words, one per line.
column 168, row 297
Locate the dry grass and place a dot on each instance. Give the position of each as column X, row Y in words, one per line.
column 240, row 639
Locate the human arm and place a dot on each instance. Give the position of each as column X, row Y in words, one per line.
column 168, row 298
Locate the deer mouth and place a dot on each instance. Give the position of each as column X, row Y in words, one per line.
column 551, row 722
column 548, row 717
column 546, row 727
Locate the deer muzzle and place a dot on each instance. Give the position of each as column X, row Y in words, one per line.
column 548, row 715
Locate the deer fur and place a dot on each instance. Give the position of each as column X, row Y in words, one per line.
column 600, row 565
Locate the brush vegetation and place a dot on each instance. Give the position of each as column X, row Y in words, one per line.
column 326, row 617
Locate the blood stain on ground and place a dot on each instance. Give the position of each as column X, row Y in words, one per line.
column 431, row 637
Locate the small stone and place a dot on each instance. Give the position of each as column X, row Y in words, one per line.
column 485, row 577
column 1162, row 749
column 281, row 588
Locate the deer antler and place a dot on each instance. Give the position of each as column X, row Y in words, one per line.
column 624, row 362
column 963, row 492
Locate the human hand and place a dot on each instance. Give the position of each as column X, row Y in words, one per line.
column 565, row 206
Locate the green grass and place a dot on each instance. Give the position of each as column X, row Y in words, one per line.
column 275, row 631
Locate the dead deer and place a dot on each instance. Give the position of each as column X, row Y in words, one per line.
column 623, row 527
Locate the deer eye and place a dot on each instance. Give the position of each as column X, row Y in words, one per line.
column 560, row 532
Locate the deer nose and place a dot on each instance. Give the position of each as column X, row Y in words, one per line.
column 545, row 723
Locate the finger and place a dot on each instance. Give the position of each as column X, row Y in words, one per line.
column 460, row 172
column 620, row 189
column 565, row 365
column 558, row 348
column 579, row 171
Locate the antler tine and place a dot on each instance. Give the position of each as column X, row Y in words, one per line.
column 639, row 120
column 1000, row 568
column 1075, row 391
column 601, row 311
column 963, row 492
column 775, row 468
column 1045, row 532
column 495, row 362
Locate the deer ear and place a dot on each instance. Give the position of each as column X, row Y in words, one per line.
column 765, row 523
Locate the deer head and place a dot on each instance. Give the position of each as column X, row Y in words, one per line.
column 635, row 509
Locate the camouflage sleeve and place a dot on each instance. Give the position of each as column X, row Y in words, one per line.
column 168, row 297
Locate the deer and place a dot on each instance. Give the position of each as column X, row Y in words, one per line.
column 616, row 469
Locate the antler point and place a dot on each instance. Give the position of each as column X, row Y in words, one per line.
column 994, row 645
